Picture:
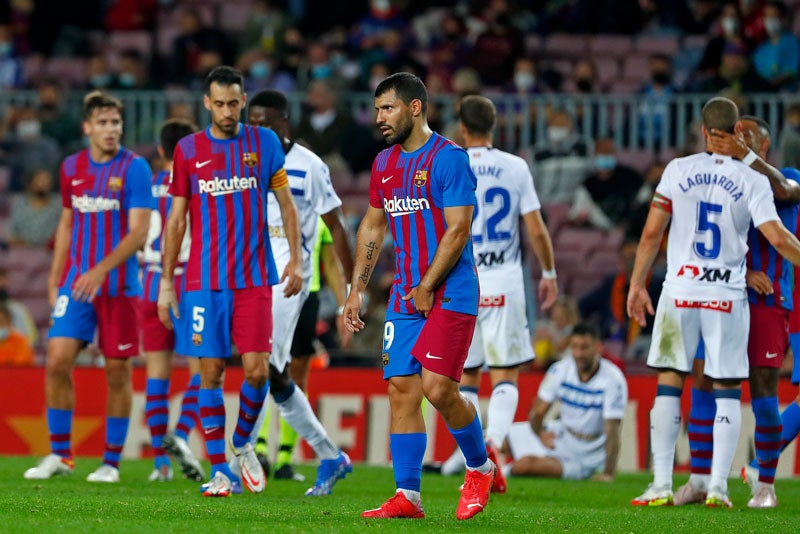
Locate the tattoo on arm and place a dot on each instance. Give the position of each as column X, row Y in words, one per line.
column 371, row 247
column 364, row 276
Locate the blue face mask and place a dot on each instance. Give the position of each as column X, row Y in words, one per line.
column 605, row 162
column 5, row 49
column 127, row 79
column 260, row 70
column 321, row 72
column 100, row 80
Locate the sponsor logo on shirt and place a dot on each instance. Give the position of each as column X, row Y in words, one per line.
column 87, row 204
column 723, row 306
column 709, row 274
column 221, row 186
column 405, row 206
column 489, row 301
column 160, row 191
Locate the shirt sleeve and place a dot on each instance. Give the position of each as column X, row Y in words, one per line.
column 662, row 198
column 529, row 200
column 138, row 193
column 273, row 159
column 550, row 384
column 456, row 179
column 66, row 189
column 762, row 202
column 179, row 184
column 374, row 191
column 322, row 195
column 615, row 397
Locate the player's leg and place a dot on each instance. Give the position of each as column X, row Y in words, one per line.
column 177, row 443
column 537, row 466
column 531, row 457
column 790, row 418
column 500, row 416
column 407, row 438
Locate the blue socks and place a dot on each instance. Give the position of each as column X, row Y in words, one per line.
column 407, row 451
column 470, row 440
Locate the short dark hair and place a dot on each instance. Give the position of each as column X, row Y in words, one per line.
column 782, row 8
column 586, row 329
column 478, row 114
column 269, row 98
column 720, row 113
column 764, row 125
column 406, row 86
column 172, row 131
column 99, row 100
column 225, row 76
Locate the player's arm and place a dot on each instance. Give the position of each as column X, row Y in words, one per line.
column 334, row 220
column 173, row 239
column 612, row 430
column 86, row 286
column 368, row 247
column 785, row 242
column 536, row 417
column 291, row 225
column 543, row 248
column 450, row 247
column 649, row 243
column 60, row 251
column 334, row 276
column 734, row 145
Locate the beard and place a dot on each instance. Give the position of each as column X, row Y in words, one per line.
column 228, row 129
column 401, row 132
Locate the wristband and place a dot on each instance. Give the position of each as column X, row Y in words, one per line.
column 347, row 288
column 549, row 274
column 340, row 310
column 749, row 158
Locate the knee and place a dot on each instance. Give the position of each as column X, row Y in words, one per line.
column 441, row 394
column 59, row 366
column 256, row 375
column 118, row 377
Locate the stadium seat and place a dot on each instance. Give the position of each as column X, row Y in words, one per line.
column 625, row 86
column 637, row 159
column 579, row 286
column 69, row 71
column 4, row 224
column 556, row 216
column 636, row 67
column 603, row 262
column 610, row 46
column 657, row 44
column 166, row 34
column 234, row 16
column 607, row 69
column 40, row 310
column 562, row 45
column 614, row 239
column 583, row 240
column 533, row 44
column 142, row 42
column 32, row 68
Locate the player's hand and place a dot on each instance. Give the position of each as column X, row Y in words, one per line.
column 603, row 477
column 639, row 303
column 727, row 144
column 548, row 439
column 293, row 274
column 88, row 284
column 423, row 300
column 345, row 335
column 167, row 301
column 352, row 307
column 759, row 281
column 548, row 292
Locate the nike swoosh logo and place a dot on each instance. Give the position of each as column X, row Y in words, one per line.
column 771, row 355
column 432, row 357
column 199, row 165
column 386, row 179
column 126, row 346
column 76, row 182
column 251, row 482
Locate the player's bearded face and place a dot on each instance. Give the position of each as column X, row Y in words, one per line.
column 104, row 129
column 225, row 104
column 394, row 118
column 584, row 352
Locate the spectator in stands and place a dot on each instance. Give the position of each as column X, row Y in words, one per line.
column 583, row 77
column 132, row 71
column 560, row 163
column 181, row 110
column 131, row 15
column 265, row 29
column 262, row 71
column 35, row 215
column 56, row 123
column 316, row 65
column 98, row 73
column 395, row 52
column 790, row 140
column 551, row 337
column 11, row 71
column 449, row 49
column 605, row 305
column 735, row 74
column 383, row 15
column 524, row 80
column 496, row 49
column 777, row 59
column 605, row 198
column 295, row 51
column 641, row 202
column 21, row 318
column 654, row 110
column 728, row 33
column 198, row 48
column 14, row 347
column 753, row 20
column 29, row 150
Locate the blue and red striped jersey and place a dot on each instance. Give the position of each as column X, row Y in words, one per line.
column 226, row 182
column 762, row 256
column 413, row 188
column 100, row 195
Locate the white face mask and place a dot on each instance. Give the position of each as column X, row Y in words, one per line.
column 524, row 80
column 773, row 26
column 730, row 25
column 28, row 129
column 556, row 134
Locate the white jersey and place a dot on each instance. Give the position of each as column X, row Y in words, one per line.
column 313, row 194
column 585, row 406
column 153, row 247
column 505, row 193
column 712, row 199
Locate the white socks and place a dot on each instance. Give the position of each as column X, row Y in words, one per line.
column 500, row 415
column 727, row 426
column 665, row 424
column 297, row 412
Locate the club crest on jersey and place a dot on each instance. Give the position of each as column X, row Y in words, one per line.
column 115, row 184
column 385, row 357
column 197, row 339
column 250, row 159
column 420, row 178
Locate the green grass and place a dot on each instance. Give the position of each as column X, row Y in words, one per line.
column 531, row 505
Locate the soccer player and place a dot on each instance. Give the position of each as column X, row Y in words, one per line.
column 592, row 393
column 310, row 186
column 502, row 339
column 770, row 283
column 423, row 188
column 710, row 200
column 158, row 341
column 220, row 176
column 94, row 281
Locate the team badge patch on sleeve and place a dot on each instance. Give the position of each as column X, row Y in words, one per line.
column 661, row 202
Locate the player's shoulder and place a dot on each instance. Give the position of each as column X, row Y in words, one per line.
column 265, row 134
column 188, row 143
column 611, row 371
column 71, row 162
column 561, row 367
column 684, row 162
column 303, row 154
column 382, row 159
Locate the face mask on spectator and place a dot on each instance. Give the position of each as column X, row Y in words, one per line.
column 773, row 26
column 260, row 70
column 730, row 25
column 556, row 134
column 4, row 333
column 5, row 49
column 661, row 77
column 605, row 162
column 28, row 129
column 321, row 72
column 126, row 79
column 100, row 80
column 584, row 85
column 524, row 80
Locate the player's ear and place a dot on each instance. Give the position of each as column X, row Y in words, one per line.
column 765, row 145
column 207, row 102
column 738, row 129
column 160, row 151
column 85, row 127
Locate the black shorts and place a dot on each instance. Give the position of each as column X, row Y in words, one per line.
column 306, row 330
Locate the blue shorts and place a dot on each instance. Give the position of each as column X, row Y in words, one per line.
column 211, row 320
column 400, row 333
column 794, row 341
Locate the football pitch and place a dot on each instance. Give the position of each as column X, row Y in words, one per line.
column 70, row 504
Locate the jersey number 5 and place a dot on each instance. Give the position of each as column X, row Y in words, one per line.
column 706, row 222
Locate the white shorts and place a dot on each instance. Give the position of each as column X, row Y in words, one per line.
column 502, row 337
column 285, row 314
column 679, row 325
column 576, row 462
